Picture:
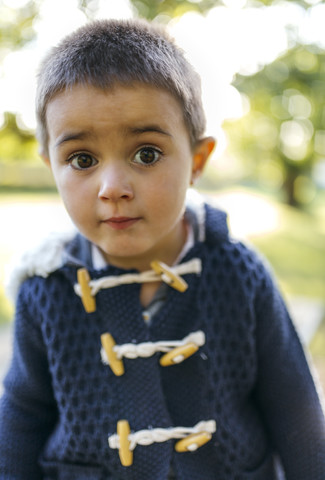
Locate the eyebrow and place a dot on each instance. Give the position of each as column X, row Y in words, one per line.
column 147, row 129
column 69, row 137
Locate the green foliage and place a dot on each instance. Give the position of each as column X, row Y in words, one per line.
column 16, row 25
column 165, row 9
column 296, row 251
column 152, row 9
column 302, row 3
column 15, row 142
column 283, row 134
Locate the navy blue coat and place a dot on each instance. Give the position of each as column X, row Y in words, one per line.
column 61, row 403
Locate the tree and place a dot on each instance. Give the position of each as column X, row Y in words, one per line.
column 16, row 26
column 16, row 143
column 152, row 9
column 283, row 133
column 171, row 8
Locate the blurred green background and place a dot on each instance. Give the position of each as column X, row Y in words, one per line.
column 263, row 70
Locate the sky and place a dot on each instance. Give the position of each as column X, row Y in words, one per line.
column 227, row 40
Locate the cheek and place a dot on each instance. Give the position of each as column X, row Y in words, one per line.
column 165, row 199
column 74, row 196
column 177, row 184
column 175, row 179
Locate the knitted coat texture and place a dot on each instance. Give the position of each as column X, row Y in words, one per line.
column 62, row 403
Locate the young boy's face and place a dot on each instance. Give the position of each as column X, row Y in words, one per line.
column 122, row 162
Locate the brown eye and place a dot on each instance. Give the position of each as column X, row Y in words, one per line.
column 82, row 161
column 147, row 156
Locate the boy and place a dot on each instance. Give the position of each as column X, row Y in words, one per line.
column 125, row 367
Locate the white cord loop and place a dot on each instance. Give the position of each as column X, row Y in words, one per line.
column 157, row 435
column 147, row 349
column 192, row 266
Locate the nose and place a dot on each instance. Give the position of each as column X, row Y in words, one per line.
column 115, row 183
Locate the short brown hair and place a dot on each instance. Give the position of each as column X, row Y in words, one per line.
column 107, row 52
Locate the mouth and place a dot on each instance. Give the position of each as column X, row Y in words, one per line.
column 121, row 223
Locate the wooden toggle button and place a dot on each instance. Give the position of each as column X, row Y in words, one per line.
column 115, row 363
column 87, row 298
column 178, row 354
column 192, row 442
column 125, row 454
column 168, row 276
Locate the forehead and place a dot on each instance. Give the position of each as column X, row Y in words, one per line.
column 119, row 106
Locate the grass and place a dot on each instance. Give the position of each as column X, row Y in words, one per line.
column 296, row 251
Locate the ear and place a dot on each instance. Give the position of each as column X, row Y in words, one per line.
column 46, row 160
column 202, row 151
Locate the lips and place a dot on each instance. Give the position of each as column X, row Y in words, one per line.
column 121, row 223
